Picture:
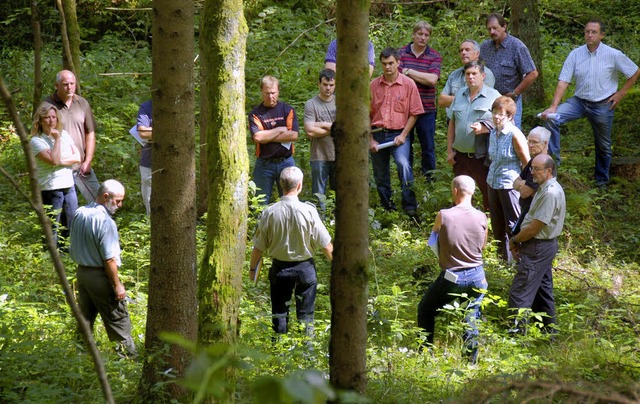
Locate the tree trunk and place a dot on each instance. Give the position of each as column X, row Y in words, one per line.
column 202, row 194
column 347, row 346
column 172, row 279
column 223, row 49
column 73, row 36
column 525, row 24
column 37, row 55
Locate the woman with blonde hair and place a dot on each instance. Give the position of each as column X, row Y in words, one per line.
column 55, row 154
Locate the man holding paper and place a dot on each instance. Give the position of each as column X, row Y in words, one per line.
column 395, row 106
column 461, row 233
column 290, row 231
column 144, row 128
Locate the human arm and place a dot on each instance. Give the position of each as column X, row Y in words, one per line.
column 280, row 134
column 328, row 251
column 425, row 78
column 479, row 128
column 524, row 84
column 521, row 186
column 145, row 132
column 615, row 99
column 528, row 232
column 256, row 256
column 451, row 135
column 402, row 137
column 317, row 129
column 520, row 146
column 561, row 88
column 437, row 224
column 111, row 269
column 89, row 149
column 445, row 100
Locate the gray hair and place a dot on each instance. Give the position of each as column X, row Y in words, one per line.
column 476, row 45
column 464, row 184
column 111, row 187
column 290, row 177
column 541, row 132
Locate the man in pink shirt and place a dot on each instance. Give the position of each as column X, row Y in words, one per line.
column 395, row 106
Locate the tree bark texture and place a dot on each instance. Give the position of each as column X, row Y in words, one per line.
column 37, row 55
column 223, row 47
column 349, row 277
column 525, row 24
column 172, row 305
column 73, row 36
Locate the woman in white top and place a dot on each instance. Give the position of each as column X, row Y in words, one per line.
column 55, row 154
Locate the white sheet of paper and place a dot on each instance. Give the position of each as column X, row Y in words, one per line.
column 134, row 132
column 433, row 243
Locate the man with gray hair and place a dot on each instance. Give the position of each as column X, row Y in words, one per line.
column 289, row 231
column 462, row 235
column 95, row 247
column 469, row 50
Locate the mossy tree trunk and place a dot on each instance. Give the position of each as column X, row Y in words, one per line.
column 73, row 34
column 223, row 49
column 37, row 55
column 349, row 278
column 525, row 24
column 172, row 278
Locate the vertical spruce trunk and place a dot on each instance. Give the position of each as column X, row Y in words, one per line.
column 172, row 279
column 347, row 345
column 525, row 24
column 223, row 47
column 73, row 33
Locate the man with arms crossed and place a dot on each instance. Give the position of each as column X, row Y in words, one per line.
column 290, row 231
column 536, row 244
column 319, row 115
column 595, row 67
column 78, row 121
column 395, row 106
column 95, row 247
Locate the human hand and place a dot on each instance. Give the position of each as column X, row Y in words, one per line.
column 526, row 191
column 121, row 293
column 400, row 139
column 373, row 146
column 85, row 168
column 614, row 100
column 477, row 128
column 546, row 112
column 451, row 157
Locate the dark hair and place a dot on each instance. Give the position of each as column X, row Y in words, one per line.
column 327, row 74
column 388, row 52
column 497, row 17
column 597, row 21
column 474, row 63
column 506, row 103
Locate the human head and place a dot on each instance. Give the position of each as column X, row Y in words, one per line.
column 538, row 141
column 543, row 168
column 422, row 33
column 111, row 195
column 327, row 83
column 291, row 179
column 270, row 90
column 389, row 58
column 41, row 113
column 497, row 27
column 65, row 84
column 593, row 33
column 469, row 51
column 463, row 185
column 474, row 74
column 503, row 109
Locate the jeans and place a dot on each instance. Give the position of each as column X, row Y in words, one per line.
column 518, row 117
column 64, row 203
column 322, row 172
column 425, row 128
column 442, row 291
column 266, row 173
column 288, row 277
column 88, row 185
column 382, row 173
column 601, row 119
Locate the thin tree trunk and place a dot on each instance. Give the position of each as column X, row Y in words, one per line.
column 37, row 55
column 172, row 302
column 71, row 60
column 347, row 346
column 525, row 24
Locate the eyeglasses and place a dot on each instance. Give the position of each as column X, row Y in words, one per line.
column 534, row 141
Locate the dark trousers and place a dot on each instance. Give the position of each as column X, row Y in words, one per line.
column 467, row 164
column 299, row 278
column 504, row 206
column 532, row 286
column 425, row 129
column 96, row 296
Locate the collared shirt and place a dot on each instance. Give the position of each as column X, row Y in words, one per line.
column 510, row 61
column 319, row 110
column 466, row 111
column 549, row 207
column 265, row 118
column 94, row 236
column 290, row 230
column 145, row 118
column 393, row 103
column 596, row 73
column 505, row 163
column 456, row 81
column 77, row 119
column 428, row 61
column 332, row 53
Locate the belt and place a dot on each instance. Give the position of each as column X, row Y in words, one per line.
column 274, row 159
column 88, row 267
column 467, row 269
column 470, row 155
column 376, row 129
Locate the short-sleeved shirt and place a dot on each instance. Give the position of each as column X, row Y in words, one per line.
column 456, row 81
column 505, row 163
column 461, row 237
column 319, row 110
column 464, row 112
column 145, row 118
column 94, row 236
column 549, row 207
column 428, row 61
column 510, row 61
column 51, row 176
column 290, row 230
column 332, row 53
column 393, row 103
column 596, row 73
column 77, row 119
column 265, row 118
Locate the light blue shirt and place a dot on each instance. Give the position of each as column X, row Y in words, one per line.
column 94, row 236
column 505, row 163
column 456, row 81
column 465, row 111
column 596, row 73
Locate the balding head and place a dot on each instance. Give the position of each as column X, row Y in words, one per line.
column 464, row 184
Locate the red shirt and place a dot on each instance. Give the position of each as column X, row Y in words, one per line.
column 393, row 103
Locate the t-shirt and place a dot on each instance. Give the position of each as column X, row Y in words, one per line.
column 428, row 61
column 51, row 176
column 318, row 110
column 461, row 237
column 265, row 118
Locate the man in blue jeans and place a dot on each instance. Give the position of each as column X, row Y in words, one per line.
column 462, row 235
column 595, row 67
